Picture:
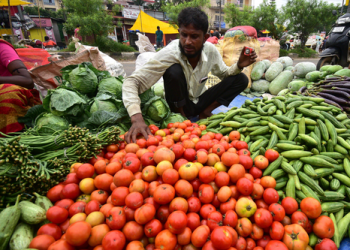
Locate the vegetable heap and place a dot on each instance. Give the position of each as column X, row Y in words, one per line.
column 33, row 163
column 89, row 98
column 170, row 192
column 313, row 139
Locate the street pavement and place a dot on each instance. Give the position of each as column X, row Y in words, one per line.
column 129, row 66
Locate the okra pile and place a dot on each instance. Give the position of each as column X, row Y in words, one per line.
column 312, row 137
column 33, row 163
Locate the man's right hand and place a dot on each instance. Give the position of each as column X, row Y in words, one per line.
column 138, row 127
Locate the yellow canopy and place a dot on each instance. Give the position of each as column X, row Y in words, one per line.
column 147, row 24
column 13, row 3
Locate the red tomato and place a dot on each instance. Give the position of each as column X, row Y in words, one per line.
column 54, row 194
column 193, row 221
column 230, row 219
column 326, row 244
column 147, row 159
column 246, row 161
column 276, row 230
column 277, row 212
column 132, row 164
column 271, row 155
column 71, row 178
column 300, row 218
column 116, row 218
column 42, row 242
column 270, row 196
column 263, row 218
column 214, row 220
column 92, row 206
column 190, row 154
column 255, row 172
column 77, row 207
column 70, row 191
column 241, row 145
column 275, row 244
column 114, row 240
column 152, row 228
column 60, row 245
column 177, row 222
column 50, row 229
column 290, row 205
column 206, row 193
column 243, row 152
column 194, row 204
column 221, row 238
column 85, row 171
column 65, row 203
column 244, row 186
column 57, row 214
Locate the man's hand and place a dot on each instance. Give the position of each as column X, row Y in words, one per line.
column 245, row 61
column 138, row 127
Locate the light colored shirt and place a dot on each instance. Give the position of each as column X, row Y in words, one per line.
column 144, row 78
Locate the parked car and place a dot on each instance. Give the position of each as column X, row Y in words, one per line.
column 311, row 42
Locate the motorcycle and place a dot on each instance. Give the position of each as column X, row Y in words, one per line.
column 337, row 47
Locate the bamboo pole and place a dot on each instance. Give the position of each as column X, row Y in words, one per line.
column 10, row 21
column 41, row 33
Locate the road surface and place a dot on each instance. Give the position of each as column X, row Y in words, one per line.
column 129, row 66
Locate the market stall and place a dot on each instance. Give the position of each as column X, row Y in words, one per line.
column 272, row 171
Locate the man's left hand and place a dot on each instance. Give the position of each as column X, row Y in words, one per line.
column 245, row 61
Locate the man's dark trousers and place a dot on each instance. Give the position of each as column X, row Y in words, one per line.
column 176, row 93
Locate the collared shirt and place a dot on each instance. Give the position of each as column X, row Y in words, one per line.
column 144, row 78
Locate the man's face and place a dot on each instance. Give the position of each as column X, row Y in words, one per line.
column 191, row 41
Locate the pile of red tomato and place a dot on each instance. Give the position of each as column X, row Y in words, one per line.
column 179, row 190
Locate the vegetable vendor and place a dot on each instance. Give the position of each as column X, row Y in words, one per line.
column 184, row 65
column 16, row 89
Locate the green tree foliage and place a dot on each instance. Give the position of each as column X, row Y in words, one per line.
column 235, row 17
column 43, row 12
column 90, row 15
column 173, row 9
column 266, row 16
column 308, row 16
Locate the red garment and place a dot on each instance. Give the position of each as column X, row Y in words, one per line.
column 49, row 43
column 14, row 100
column 7, row 55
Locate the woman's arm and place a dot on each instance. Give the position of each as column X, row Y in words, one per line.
column 20, row 75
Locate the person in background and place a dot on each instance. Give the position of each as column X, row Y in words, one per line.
column 211, row 33
column 217, row 33
column 318, row 44
column 76, row 32
column 184, row 65
column 16, row 89
column 159, row 37
column 49, row 43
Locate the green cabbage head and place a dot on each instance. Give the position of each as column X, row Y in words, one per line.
column 47, row 124
column 111, row 85
column 157, row 109
column 100, row 105
column 83, row 79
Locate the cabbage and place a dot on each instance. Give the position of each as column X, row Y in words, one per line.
column 157, row 109
column 158, row 89
column 111, row 85
column 47, row 123
column 63, row 101
column 146, row 96
column 83, row 79
column 173, row 117
column 103, row 105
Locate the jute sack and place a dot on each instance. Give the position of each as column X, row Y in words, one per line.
column 269, row 50
column 232, row 48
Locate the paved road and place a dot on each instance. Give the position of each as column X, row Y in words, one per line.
column 129, row 66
